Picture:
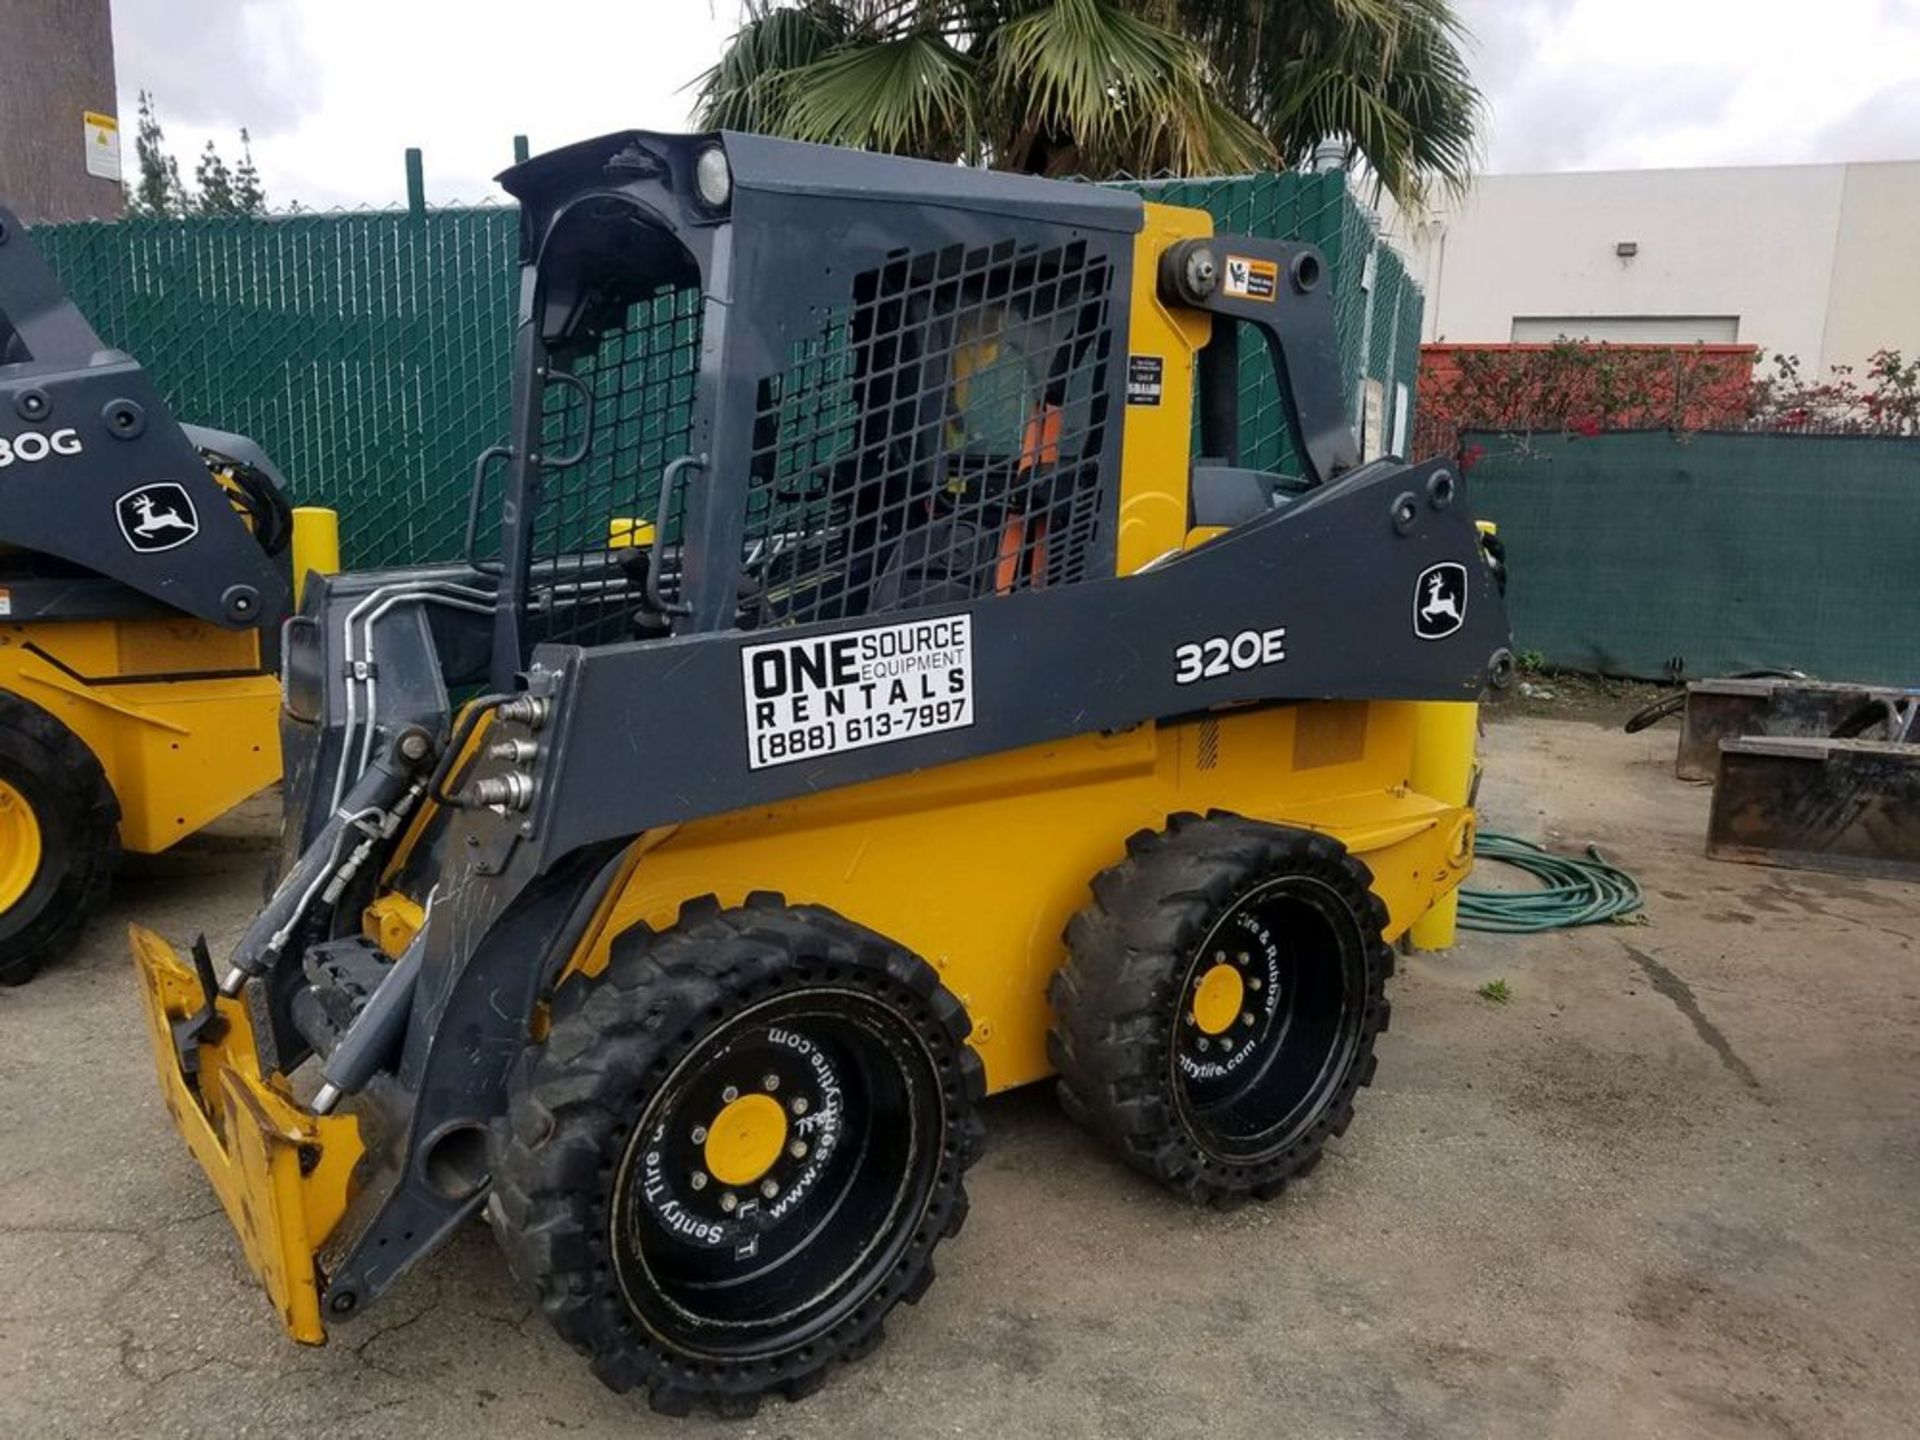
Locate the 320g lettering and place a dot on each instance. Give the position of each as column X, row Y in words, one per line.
column 30, row 445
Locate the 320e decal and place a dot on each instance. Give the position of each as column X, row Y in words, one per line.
column 1219, row 655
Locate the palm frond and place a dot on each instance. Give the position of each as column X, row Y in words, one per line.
column 749, row 88
column 1105, row 80
column 1099, row 86
column 1388, row 78
column 910, row 95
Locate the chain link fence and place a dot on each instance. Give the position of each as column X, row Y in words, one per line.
column 370, row 353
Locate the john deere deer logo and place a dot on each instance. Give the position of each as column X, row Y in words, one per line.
column 1440, row 600
column 157, row 517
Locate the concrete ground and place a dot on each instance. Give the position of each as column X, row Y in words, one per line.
column 1671, row 1188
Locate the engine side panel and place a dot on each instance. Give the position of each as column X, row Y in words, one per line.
column 978, row 866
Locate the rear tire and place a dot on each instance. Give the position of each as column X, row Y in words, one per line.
column 57, row 795
column 1219, row 1005
column 735, row 1151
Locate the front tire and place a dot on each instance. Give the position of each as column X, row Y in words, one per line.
column 735, row 1151
column 58, row 820
column 1219, row 1005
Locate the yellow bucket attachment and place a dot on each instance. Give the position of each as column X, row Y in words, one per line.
column 282, row 1174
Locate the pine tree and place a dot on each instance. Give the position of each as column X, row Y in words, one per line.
column 249, row 195
column 159, row 190
column 216, row 184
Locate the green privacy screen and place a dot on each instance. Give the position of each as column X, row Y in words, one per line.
column 369, row 353
column 1650, row 553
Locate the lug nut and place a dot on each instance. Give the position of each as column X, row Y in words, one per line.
column 799, row 1105
column 730, row 1094
column 769, row 1189
column 1202, row 1044
column 798, row 1149
column 1246, row 1017
column 771, row 1082
column 698, row 1180
column 1226, row 1042
column 699, row 1134
column 1243, row 957
column 1253, row 982
column 729, row 1202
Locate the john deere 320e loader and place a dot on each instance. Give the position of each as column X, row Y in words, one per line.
column 854, row 702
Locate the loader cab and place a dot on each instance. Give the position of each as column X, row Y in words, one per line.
column 744, row 404
column 741, row 402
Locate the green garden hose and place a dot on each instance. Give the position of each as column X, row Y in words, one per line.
column 1576, row 891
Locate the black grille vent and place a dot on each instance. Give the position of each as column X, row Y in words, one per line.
column 938, row 440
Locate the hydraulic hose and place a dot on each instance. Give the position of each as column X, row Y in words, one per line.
column 1574, row 891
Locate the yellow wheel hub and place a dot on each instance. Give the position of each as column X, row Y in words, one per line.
column 745, row 1140
column 19, row 846
column 1216, row 1004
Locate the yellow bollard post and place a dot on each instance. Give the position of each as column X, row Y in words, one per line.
column 316, row 545
column 1444, row 732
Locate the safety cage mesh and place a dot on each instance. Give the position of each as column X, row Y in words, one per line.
column 937, row 440
column 590, row 545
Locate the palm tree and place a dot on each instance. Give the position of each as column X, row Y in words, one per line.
column 1102, row 87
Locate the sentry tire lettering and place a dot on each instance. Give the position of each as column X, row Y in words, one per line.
column 31, row 446
column 1219, row 655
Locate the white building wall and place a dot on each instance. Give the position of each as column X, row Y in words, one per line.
column 1817, row 261
column 1875, row 299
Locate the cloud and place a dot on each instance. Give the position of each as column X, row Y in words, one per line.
column 1624, row 84
column 1884, row 126
column 217, row 64
column 334, row 91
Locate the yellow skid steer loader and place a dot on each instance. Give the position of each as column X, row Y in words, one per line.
column 145, row 567
column 868, row 705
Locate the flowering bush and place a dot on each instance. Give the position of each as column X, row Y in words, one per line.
column 1574, row 387
column 1885, row 401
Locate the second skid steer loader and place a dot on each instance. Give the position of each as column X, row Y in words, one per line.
column 877, row 708
column 145, row 567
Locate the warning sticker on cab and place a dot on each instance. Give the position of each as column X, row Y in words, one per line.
column 819, row 696
column 1250, row 279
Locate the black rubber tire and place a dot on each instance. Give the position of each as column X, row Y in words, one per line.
column 1117, row 1001
column 576, row 1099
column 78, row 819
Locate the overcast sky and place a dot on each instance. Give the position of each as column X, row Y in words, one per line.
column 333, row 91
